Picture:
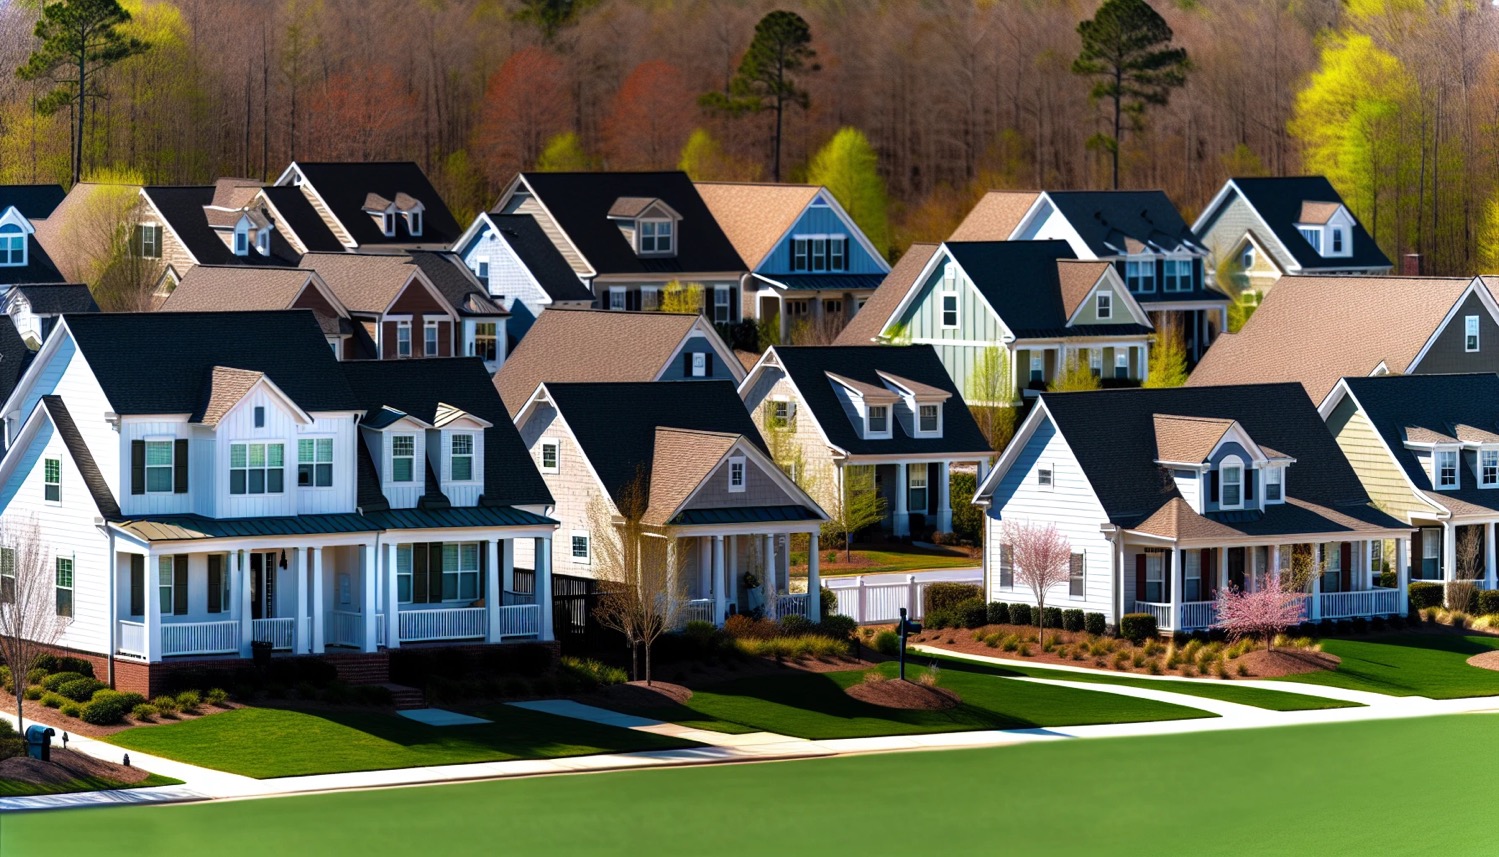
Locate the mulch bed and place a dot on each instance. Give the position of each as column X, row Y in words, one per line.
column 1278, row 662
column 638, row 694
column 36, row 712
column 65, row 767
column 701, row 674
column 907, row 695
column 1487, row 660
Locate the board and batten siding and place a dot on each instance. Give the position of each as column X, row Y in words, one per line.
column 976, row 323
column 440, row 446
column 821, row 220
column 573, row 486
column 1070, row 504
column 1380, row 476
column 400, row 495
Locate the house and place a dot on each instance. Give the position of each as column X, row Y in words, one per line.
column 1140, row 232
column 895, row 410
column 36, row 309
column 809, row 263
column 266, row 493
column 23, row 260
column 1315, row 330
column 230, row 288
column 523, row 270
column 1034, row 299
column 1264, row 228
column 15, row 356
column 369, row 206
column 1169, row 495
column 568, row 346
column 226, row 223
column 711, row 485
column 629, row 235
column 1426, row 448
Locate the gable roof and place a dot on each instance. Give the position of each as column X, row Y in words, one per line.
column 14, row 356
column 1283, row 201
column 33, row 201
column 809, row 368
column 344, row 187
column 571, row 345
column 425, row 388
column 754, row 215
column 296, row 216
column 1023, row 282
column 1115, row 222
column 869, row 321
column 66, row 233
column 183, row 210
column 58, row 298
column 1188, row 440
column 170, row 377
column 681, row 459
column 996, row 216
column 364, row 282
column 581, row 202
column 83, row 459
column 229, row 288
column 1075, row 281
column 541, row 257
column 1315, row 330
column 446, row 271
column 226, row 388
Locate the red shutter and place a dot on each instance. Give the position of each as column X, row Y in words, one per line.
column 1347, row 566
column 1208, row 571
column 1139, row 577
column 1414, row 559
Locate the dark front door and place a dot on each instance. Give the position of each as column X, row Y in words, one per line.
column 1236, row 568
column 262, row 586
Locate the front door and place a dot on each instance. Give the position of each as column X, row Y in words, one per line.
column 1236, row 568
column 263, row 585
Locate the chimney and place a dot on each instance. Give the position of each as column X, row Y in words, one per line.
column 1410, row 265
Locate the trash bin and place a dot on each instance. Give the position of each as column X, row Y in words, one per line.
column 260, row 652
column 39, row 742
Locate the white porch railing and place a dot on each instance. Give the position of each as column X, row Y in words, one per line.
column 1369, row 602
column 133, row 638
column 872, row 599
column 199, row 638
column 345, row 628
column 1195, row 615
column 791, row 605
column 511, row 599
column 520, row 620
column 449, row 623
column 1161, row 612
column 698, row 610
column 280, row 633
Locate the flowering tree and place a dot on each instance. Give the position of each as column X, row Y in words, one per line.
column 32, row 618
column 1264, row 612
column 1042, row 558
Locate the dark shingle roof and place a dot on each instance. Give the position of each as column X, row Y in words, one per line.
column 58, row 298
column 162, row 362
column 808, row 366
column 581, row 202
column 418, row 387
column 182, row 208
column 39, row 267
column 1105, row 219
column 1278, row 201
column 14, row 356
column 33, row 201
column 827, row 282
column 346, row 186
column 1112, row 435
column 1020, row 280
column 300, row 219
column 456, row 283
column 98, row 486
column 541, row 257
column 615, row 424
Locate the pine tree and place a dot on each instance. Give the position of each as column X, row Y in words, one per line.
column 782, row 47
column 848, row 167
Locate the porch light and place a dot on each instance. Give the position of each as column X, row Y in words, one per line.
column 283, row 557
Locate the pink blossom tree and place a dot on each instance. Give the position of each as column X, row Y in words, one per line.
column 1264, row 612
column 1042, row 558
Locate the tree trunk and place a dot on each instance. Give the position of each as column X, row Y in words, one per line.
column 647, row 663
column 78, row 134
column 19, row 683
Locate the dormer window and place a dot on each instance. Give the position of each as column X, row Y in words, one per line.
column 241, row 242
column 928, row 419
column 1231, row 483
column 1177, row 275
column 1313, row 236
column 878, row 420
column 388, row 223
column 1488, row 468
column 819, row 253
column 1274, row 485
column 1446, row 468
column 414, row 222
column 1337, row 241
column 263, row 242
column 1105, row 303
column 656, row 237
column 461, row 466
column 402, row 458
column 1139, row 275
column 736, row 474
column 12, row 246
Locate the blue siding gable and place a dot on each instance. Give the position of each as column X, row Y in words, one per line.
column 677, row 370
column 27, row 462
column 823, row 220
column 1250, row 472
column 1023, row 465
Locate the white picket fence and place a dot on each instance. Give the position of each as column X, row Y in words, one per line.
column 878, row 598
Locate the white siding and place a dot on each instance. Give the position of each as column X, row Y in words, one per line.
column 573, row 486
column 163, row 503
column 1190, row 486
column 440, row 443
column 341, row 497
column 400, row 495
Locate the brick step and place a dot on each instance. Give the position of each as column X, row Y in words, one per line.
column 405, row 698
column 365, row 670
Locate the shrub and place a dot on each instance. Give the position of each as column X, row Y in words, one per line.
column 827, row 600
column 740, row 626
column 35, row 675
column 973, row 613
column 1020, row 614
column 794, row 625
column 33, row 693
column 79, row 689
column 1094, row 623
column 1488, row 602
column 1388, row 579
column 145, row 712
column 1425, row 594
column 939, row 595
column 129, row 700
column 216, row 696
column 165, row 704
column 838, row 626
column 53, row 700
column 1054, row 618
column 942, row 617
column 999, row 613
column 5, row 679
column 71, row 709
column 189, row 700
column 1137, row 627
column 1072, row 620
column 887, row 643
column 65, row 664
column 1359, row 625
column 591, row 673
column 57, row 680
column 107, row 708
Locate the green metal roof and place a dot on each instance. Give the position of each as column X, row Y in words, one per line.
column 745, row 515
column 467, row 516
column 167, row 528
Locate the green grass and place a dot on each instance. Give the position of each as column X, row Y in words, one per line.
column 271, row 742
column 892, row 559
column 1324, row 790
column 1432, row 665
column 813, row 705
column 19, row 788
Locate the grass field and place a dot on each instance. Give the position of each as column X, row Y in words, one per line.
column 1432, row 665
column 17, row 788
column 271, row 742
column 885, row 560
column 1324, row 790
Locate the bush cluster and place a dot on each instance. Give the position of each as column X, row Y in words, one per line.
column 590, row 673
column 1095, row 624
column 1020, row 614
column 1425, row 593
column 1137, row 627
column 939, row 596
column 1072, row 620
column 887, row 643
column 109, row 707
column 1488, row 602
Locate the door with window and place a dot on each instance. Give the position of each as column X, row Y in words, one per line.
column 263, row 585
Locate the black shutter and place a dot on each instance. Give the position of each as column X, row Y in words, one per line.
column 137, row 467
column 484, row 571
column 137, row 585
column 179, row 467
column 419, row 573
column 435, row 576
column 708, row 364
column 686, row 365
column 179, row 584
column 1160, row 274
column 1213, row 486
column 138, row 241
column 215, row 583
column 1249, row 475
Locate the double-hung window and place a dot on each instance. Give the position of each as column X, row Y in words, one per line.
column 879, row 419
column 580, row 546
column 52, row 480
column 1121, row 363
column 928, row 419
column 722, row 310
column 150, row 240
column 800, row 259
column 655, row 236
column 462, row 466
column 550, row 456
column 838, row 253
column 1332, row 565
column 65, row 586
column 12, row 245
column 1139, row 275
column 481, row 269
column 486, row 341
column 1313, row 236
column 1446, row 461
column 1044, row 477
column 1192, row 575
column 460, row 571
column 1488, row 468
column 403, row 339
column 617, row 299
column 7, row 575
column 1376, row 561
column 403, row 573
column 650, row 298
column 778, row 414
column 315, row 462
column 1274, row 484
column 1095, row 361
column 1231, row 488
column 256, row 468
column 736, row 474
column 429, row 341
column 1155, row 577
column 158, row 467
column 916, row 495
column 1105, row 305
column 1077, row 577
column 166, row 584
column 949, row 310
column 1038, row 367
column 1470, row 333
column 1178, row 275
column 402, row 458
column 1337, row 241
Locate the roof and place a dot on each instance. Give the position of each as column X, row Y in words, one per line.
column 72, row 439
column 1023, row 282
column 183, row 210
column 1106, row 220
column 363, row 282
column 171, row 376
column 226, row 388
column 1284, row 201
column 755, row 215
column 826, row 282
column 459, row 516
column 615, row 425
column 682, row 460
column 565, row 345
column 581, row 202
column 808, row 367
column 299, row 218
column 228, row 287
column 170, row 528
column 344, row 187
column 456, row 282
column 66, row 233
column 1076, row 279
column 58, row 298
column 421, row 388
column 869, row 321
column 33, row 201
column 541, row 257
column 1315, row 330
column 1188, row 440
column 996, row 216
column 14, row 356
column 1112, row 434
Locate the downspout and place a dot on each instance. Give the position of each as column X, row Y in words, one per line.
column 114, row 619
column 1116, row 560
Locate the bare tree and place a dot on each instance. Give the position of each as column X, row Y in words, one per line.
column 850, row 498
column 31, row 617
column 643, row 590
column 1042, row 558
column 1463, row 591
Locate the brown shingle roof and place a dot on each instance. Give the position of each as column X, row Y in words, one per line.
column 1317, row 212
column 755, row 215
column 1416, row 434
column 1176, row 520
column 226, row 386
column 869, row 392
column 918, row 389
column 1475, row 434
column 1077, row 278
column 1188, row 440
column 210, row 288
column 996, row 216
column 869, row 321
column 362, row 282
column 235, row 193
column 1315, row 330
column 682, row 460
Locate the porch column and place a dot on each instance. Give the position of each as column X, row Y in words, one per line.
column 944, row 497
column 705, row 566
column 720, row 602
column 300, row 644
column 246, row 610
column 768, row 585
column 781, row 317
column 153, row 608
column 1488, row 555
column 1402, row 569
column 1175, row 586
column 507, row 568
column 733, row 584
column 392, row 600
column 544, row 584
column 901, row 522
column 1222, row 574
column 1449, row 551
column 369, row 609
column 494, row 595
column 814, row 578
column 1314, row 611
column 317, row 600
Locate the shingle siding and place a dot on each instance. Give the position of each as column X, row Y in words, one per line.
column 573, row 486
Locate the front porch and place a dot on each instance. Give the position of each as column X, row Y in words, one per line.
column 715, row 565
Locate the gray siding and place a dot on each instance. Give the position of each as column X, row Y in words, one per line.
column 1448, row 354
column 697, row 344
column 759, row 490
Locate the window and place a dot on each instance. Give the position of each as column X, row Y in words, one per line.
column 799, row 260
column 481, row 269
column 1246, row 257
column 1178, row 275
column 7, row 575
column 819, row 253
column 1139, row 275
column 12, row 245
column 403, row 574
column 1155, row 577
column 1446, row 460
column 928, row 418
column 1105, row 305
column 1337, row 240
column 486, row 341
column 388, row 224
column 721, row 307
column 65, row 587
column 1274, row 484
column 1191, row 575
column 650, row 298
column 166, row 584
column 838, row 253
column 916, row 487
column 403, row 339
column 736, row 474
column 256, row 468
column 1332, row 567
column 617, row 300
column 150, row 234
column 463, row 458
column 315, row 462
column 1231, row 490
column 580, row 547
column 1044, row 477
column 949, row 310
column 655, row 236
column 414, row 222
column 263, row 242
column 832, row 307
column 1313, row 236
column 699, row 364
column 241, row 242
column 1006, row 566
column 1095, row 361
column 1470, row 333
column 52, row 480
column 402, row 457
column 260, row 416
column 1121, row 363
column 1376, row 560
column 1038, row 367
column 218, row 595
column 879, row 419
column 779, row 414
column 158, row 467
column 1488, row 468
column 429, row 340
column 460, row 571
column 1076, row 577
column 550, row 455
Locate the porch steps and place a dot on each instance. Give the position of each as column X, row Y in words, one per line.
column 362, row 669
column 405, row 698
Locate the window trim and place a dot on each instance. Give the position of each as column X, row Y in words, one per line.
column 1077, row 575
column 1046, row 478
column 1181, row 280
column 481, row 269
column 59, row 587
column 920, row 416
column 316, row 463
column 454, row 455
column 151, row 249
column 723, row 301
column 170, row 467
column 1313, row 236
column 1470, row 333
column 403, row 343
column 869, row 413
column 1488, row 451
column 166, row 583
column 950, row 309
column 1006, row 566
column 1191, row 575
column 541, row 455
column 265, row 467
column 491, row 353
column 1232, row 462
column 1436, row 469
column 52, row 480
column 1145, row 280
column 411, row 477
column 656, row 224
column 917, row 479
column 1275, row 477
column 586, row 557
column 431, row 341
column 1155, row 561
column 1104, row 304
column 738, row 467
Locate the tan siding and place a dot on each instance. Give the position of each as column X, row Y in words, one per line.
column 1381, row 476
column 554, row 233
column 760, row 489
column 573, row 486
column 327, row 216
column 815, row 475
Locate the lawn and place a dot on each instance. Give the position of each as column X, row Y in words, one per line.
column 20, row 788
column 813, row 705
column 1323, row 790
column 1431, row 665
column 886, row 559
column 272, row 742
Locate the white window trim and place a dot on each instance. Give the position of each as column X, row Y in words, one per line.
column 474, row 476
column 1470, row 334
column 171, row 443
column 1232, row 461
column 1312, row 235
column 914, row 475
column 46, row 483
column 699, row 365
column 1490, row 450
column 541, row 446
column 267, row 468
column 650, row 298
column 333, row 482
column 587, row 556
column 869, row 430
column 1280, row 480
column 1436, row 469
column 391, row 458
column 616, row 299
column 1149, row 263
column 1173, row 261
column 263, row 242
column 414, row 222
column 403, row 326
column 738, row 463
column 957, row 314
column 388, row 223
column 1046, row 478
column 936, row 432
column 153, row 231
column 72, row 587
column 722, row 300
column 431, row 338
column 1104, row 302
column 671, row 238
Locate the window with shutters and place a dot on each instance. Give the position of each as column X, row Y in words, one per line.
column 1231, row 483
column 402, row 458
column 403, row 574
column 699, row 362
column 1191, row 575
column 65, row 587
column 166, row 584
column 52, row 480
column 1006, row 566
column 257, row 468
column 315, row 462
column 7, row 575
column 616, row 299
column 460, row 571
column 218, row 585
column 1077, row 577
column 462, row 458
column 722, row 309
column 1121, row 363
column 159, row 477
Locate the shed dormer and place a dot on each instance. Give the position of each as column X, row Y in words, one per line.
column 1328, row 227
column 919, row 410
column 1217, row 466
column 649, row 224
column 14, row 230
column 869, row 408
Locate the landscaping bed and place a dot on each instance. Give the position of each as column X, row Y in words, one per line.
column 902, row 693
column 70, row 771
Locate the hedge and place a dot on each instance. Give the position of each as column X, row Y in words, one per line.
column 1425, row 594
column 938, row 596
column 1137, row 627
column 1020, row 614
column 1095, row 624
column 1488, row 602
column 887, row 643
column 1053, row 617
column 973, row 613
column 1072, row 620
column 999, row 613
